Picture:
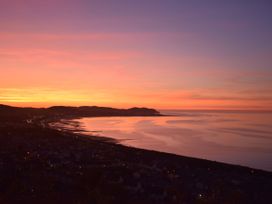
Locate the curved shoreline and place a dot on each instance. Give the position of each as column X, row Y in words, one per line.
column 40, row 158
column 40, row 164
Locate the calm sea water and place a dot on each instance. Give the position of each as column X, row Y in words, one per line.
column 243, row 138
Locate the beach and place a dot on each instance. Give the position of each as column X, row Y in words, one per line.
column 39, row 164
column 234, row 137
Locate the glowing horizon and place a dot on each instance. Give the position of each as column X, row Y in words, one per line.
column 166, row 55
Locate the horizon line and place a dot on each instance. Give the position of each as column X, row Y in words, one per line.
column 161, row 109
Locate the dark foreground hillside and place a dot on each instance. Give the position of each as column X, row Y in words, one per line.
column 42, row 165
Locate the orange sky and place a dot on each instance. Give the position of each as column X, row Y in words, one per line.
column 89, row 53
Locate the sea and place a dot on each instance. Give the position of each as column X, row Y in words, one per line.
column 234, row 137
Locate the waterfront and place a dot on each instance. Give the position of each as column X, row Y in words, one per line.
column 243, row 138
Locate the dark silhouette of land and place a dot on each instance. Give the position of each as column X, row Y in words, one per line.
column 18, row 113
column 40, row 164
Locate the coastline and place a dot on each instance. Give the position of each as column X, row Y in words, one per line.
column 46, row 165
column 195, row 136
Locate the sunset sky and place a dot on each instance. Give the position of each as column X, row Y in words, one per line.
column 168, row 54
